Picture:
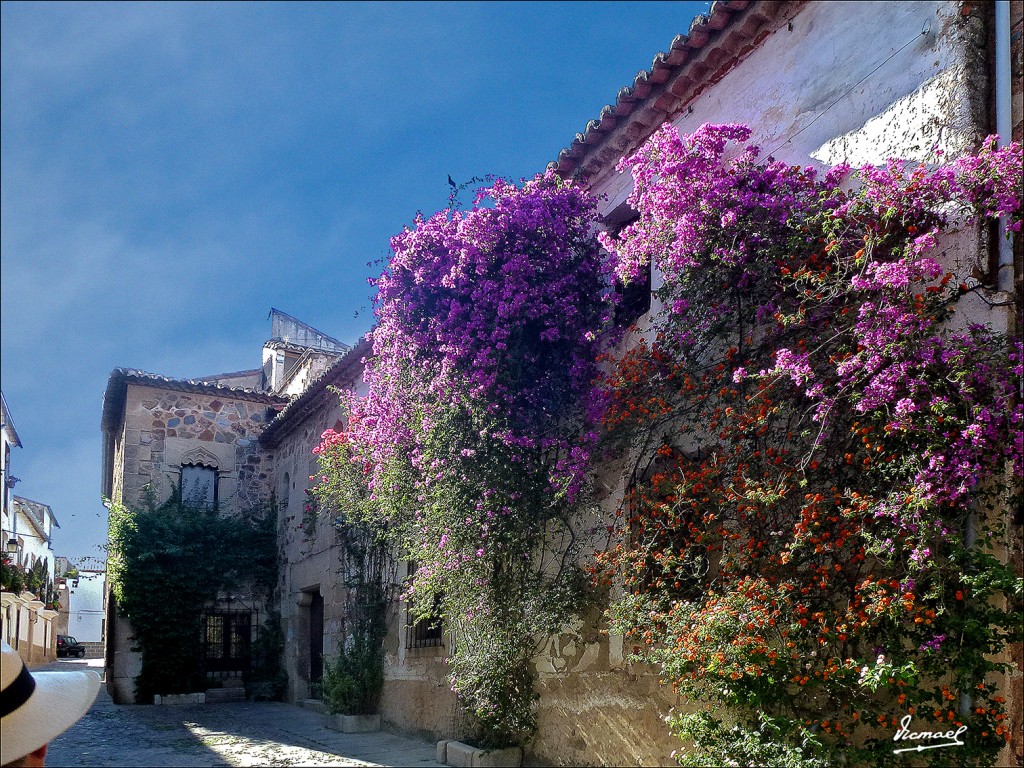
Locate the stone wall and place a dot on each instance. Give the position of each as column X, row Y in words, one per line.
column 164, row 427
column 309, row 547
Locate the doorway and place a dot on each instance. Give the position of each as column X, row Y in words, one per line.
column 316, row 637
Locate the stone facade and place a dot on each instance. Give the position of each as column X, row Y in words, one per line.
column 311, row 587
column 164, row 428
column 153, row 427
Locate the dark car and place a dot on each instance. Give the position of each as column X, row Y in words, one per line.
column 68, row 646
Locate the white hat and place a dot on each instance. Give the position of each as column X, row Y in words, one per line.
column 36, row 708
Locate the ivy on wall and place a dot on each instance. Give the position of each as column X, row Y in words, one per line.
column 167, row 564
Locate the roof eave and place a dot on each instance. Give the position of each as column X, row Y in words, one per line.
column 694, row 61
column 12, row 433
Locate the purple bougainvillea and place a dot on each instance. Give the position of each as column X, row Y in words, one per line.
column 474, row 438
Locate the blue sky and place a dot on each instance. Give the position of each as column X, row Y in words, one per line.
column 172, row 171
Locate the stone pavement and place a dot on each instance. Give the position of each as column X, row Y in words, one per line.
column 235, row 734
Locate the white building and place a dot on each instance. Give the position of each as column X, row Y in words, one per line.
column 26, row 528
column 8, row 439
column 32, row 527
column 86, row 615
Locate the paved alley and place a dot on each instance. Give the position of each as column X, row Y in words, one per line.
column 238, row 734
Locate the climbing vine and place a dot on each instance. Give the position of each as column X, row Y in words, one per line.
column 353, row 681
column 473, row 442
column 167, row 564
column 821, row 453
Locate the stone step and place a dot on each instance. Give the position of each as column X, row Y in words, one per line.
column 222, row 695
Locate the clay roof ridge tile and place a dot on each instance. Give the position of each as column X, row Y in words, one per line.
column 136, row 373
column 701, row 30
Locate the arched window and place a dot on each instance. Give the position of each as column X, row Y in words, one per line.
column 199, row 475
column 199, row 486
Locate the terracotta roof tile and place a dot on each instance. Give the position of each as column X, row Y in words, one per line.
column 692, row 62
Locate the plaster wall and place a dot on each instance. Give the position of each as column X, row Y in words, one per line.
column 822, row 88
column 85, row 607
column 833, row 82
column 35, row 545
column 28, row 627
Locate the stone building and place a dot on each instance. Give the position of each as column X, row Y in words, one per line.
column 819, row 83
column 194, row 436
column 200, row 437
column 310, row 583
column 799, row 74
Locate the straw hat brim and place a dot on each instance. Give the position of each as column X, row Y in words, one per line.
column 58, row 701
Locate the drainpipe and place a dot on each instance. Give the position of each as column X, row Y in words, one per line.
column 966, row 703
column 1004, row 278
column 1004, row 127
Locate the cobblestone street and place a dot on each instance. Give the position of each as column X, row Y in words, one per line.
column 238, row 734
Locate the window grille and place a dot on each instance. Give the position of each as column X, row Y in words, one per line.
column 228, row 637
column 199, row 486
column 427, row 632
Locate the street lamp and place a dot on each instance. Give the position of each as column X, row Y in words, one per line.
column 12, row 546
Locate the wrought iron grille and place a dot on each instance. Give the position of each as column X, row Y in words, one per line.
column 228, row 638
column 428, row 632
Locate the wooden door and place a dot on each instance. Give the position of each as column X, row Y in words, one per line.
column 316, row 638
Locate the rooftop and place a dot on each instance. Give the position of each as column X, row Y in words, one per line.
column 712, row 46
column 120, row 378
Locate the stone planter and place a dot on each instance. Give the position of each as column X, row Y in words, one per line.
column 353, row 723
column 459, row 755
column 314, row 705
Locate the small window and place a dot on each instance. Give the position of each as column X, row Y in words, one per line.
column 199, row 486
column 428, row 631
column 228, row 641
column 634, row 298
column 286, row 492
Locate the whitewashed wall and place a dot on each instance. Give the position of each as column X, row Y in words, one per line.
column 819, row 90
column 85, row 607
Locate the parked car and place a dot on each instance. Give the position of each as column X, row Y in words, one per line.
column 68, row 646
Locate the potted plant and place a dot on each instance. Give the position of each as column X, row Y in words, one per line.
column 352, row 685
